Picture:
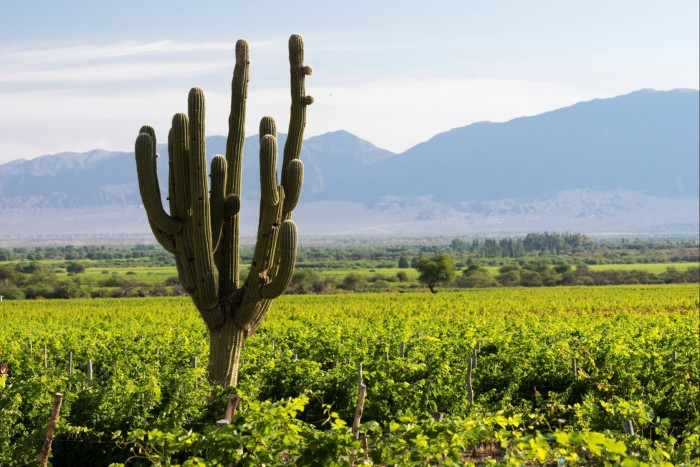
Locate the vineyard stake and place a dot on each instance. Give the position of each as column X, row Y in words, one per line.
column 46, row 361
column 89, row 371
column 70, row 368
column 403, row 349
column 230, row 409
column 359, row 376
column 470, row 390
column 193, row 364
column 358, row 416
column 627, row 426
column 474, row 356
column 574, row 368
column 53, row 420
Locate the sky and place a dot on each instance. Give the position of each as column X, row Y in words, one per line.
column 82, row 75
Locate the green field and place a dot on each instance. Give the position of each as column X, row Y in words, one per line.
column 158, row 274
column 636, row 350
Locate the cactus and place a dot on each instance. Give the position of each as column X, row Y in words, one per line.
column 202, row 228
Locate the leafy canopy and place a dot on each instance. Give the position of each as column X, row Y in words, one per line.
column 436, row 270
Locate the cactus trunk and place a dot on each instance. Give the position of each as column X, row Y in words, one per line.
column 202, row 228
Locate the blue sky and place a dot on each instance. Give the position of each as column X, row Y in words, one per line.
column 80, row 75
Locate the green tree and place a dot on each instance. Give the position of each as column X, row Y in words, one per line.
column 476, row 276
column 74, row 267
column 509, row 275
column 353, row 282
column 436, row 270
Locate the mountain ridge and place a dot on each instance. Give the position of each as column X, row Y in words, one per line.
column 641, row 146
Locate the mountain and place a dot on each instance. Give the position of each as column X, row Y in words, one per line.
column 628, row 163
column 644, row 141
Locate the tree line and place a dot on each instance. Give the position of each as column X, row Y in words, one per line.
column 440, row 270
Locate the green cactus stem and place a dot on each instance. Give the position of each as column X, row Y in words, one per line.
column 202, row 227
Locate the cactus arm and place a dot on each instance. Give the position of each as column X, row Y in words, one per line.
column 232, row 206
column 180, row 199
column 287, row 253
column 178, row 148
column 236, row 119
column 297, row 118
column 206, row 275
column 166, row 241
column 217, row 198
column 268, row 170
column 229, row 254
column 294, row 177
column 267, row 127
column 148, row 186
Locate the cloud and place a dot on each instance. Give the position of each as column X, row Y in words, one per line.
column 41, row 67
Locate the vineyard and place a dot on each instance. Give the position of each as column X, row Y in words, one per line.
column 566, row 375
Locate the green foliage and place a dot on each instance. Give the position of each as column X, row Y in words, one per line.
column 475, row 276
column 299, row 379
column 436, row 270
column 74, row 267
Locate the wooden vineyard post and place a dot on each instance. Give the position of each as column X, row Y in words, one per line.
column 230, row 410
column 361, row 394
column 627, row 426
column 46, row 360
column 193, row 364
column 574, row 368
column 53, row 420
column 70, row 369
column 89, row 371
column 358, row 411
column 470, row 390
column 359, row 376
column 403, row 349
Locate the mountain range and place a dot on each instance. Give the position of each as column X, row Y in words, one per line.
column 624, row 164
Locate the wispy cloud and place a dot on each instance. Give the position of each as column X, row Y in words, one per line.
column 41, row 66
column 47, row 54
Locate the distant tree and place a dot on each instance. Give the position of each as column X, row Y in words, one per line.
column 353, row 282
column 476, row 276
column 403, row 263
column 172, row 281
column 436, row 270
column 402, row 276
column 509, row 275
column 74, row 267
column 306, row 281
column 458, row 245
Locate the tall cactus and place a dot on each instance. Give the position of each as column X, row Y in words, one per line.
column 202, row 228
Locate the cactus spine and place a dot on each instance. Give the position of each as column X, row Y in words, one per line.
column 202, row 228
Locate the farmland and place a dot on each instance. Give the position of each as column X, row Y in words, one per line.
column 636, row 351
